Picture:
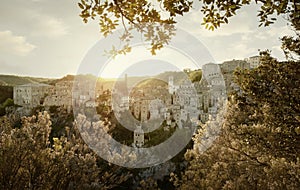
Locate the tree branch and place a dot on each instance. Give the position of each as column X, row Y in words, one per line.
column 123, row 14
column 248, row 156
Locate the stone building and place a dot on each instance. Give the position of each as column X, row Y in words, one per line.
column 145, row 111
column 253, row 61
column 186, row 97
column 65, row 93
column 138, row 136
column 31, row 95
column 228, row 68
column 156, row 109
column 171, row 86
column 149, row 101
column 211, row 90
column 60, row 95
column 120, row 98
column 176, row 114
column 135, row 109
column 184, row 103
column 84, row 89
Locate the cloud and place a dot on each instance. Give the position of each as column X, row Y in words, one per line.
column 241, row 24
column 274, row 32
column 47, row 26
column 35, row 19
column 241, row 37
column 13, row 44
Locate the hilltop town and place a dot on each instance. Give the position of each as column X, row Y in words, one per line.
column 173, row 98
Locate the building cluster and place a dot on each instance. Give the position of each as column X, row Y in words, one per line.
column 60, row 95
column 176, row 104
column 148, row 103
column 31, row 95
column 65, row 94
column 186, row 103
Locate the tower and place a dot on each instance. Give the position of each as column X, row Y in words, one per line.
column 171, row 84
column 138, row 136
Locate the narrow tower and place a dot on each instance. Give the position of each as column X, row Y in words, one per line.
column 138, row 136
column 171, row 84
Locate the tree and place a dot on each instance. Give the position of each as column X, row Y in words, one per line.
column 28, row 159
column 149, row 17
column 259, row 142
column 7, row 103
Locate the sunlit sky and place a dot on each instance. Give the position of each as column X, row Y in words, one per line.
column 47, row 38
column 140, row 62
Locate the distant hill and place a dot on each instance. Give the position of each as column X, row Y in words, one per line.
column 151, row 82
column 12, row 80
column 131, row 81
column 65, row 78
column 7, row 82
column 177, row 76
column 194, row 76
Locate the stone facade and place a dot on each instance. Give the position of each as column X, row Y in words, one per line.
column 60, row 95
column 31, row 95
column 156, row 109
column 211, row 91
column 185, row 103
column 171, row 86
column 138, row 136
column 253, row 61
column 228, row 68
column 64, row 93
column 84, row 90
column 149, row 102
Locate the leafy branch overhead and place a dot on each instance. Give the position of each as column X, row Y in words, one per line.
column 156, row 20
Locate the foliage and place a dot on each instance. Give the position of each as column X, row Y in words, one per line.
column 291, row 46
column 150, row 83
column 53, row 109
column 195, row 76
column 119, row 132
column 28, row 160
column 6, row 92
column 156, row 20
column 159, row 135
column 258, row 147
column 7, row 103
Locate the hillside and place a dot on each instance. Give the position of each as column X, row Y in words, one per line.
column 12, row 80
column 150, row 83
column 194, row 76
column 65, row 78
